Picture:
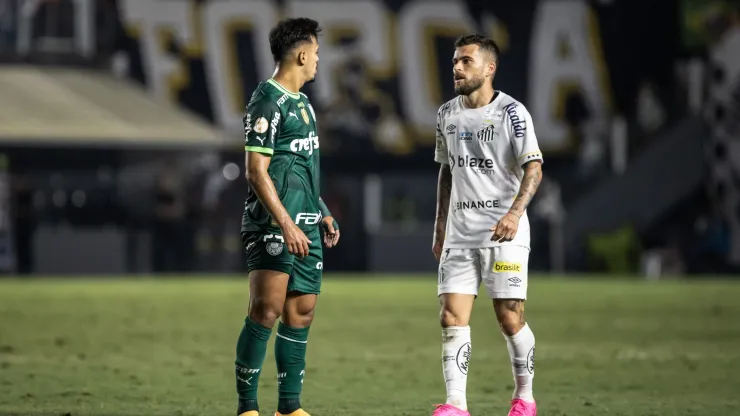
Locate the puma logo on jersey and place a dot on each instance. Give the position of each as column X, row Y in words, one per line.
column 292, row 113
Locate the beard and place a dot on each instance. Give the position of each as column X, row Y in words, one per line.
column 469, row 86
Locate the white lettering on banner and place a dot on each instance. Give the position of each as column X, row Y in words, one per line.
column 557, row 26
column 156, row 23
column 562, row 59
column 222, row 20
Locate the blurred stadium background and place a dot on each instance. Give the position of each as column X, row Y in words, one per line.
column 122, row 144
column 121, row 153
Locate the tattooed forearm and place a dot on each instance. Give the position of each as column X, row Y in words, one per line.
column 444, row 188
column 530, row 183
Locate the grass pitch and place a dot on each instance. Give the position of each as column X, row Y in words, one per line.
column 166, row 347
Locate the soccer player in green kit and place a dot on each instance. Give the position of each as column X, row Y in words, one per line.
column 283, row 219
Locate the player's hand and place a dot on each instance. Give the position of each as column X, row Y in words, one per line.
column 506, row 228
column 437, row 250
column 331, row 233
column 296, row 241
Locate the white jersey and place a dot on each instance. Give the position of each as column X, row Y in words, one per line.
column 485, row 148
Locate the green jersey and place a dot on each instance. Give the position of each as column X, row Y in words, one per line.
column 282, row 124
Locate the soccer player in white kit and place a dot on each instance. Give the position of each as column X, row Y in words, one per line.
column 490, row 170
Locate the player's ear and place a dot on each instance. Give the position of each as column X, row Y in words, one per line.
column 492, row 68
column 301, row 57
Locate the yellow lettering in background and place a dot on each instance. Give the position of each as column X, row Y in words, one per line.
column 178, row 77
column 565, row 58
column 433, row 33
column 497, row 30
column 234, row 78
column 367, row 22
column 158, row 26
column 420, row 93
column 226, row 19
column 387, row 43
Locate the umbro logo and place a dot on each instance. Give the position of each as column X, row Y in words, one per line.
column 515, row 280
column 451, row 129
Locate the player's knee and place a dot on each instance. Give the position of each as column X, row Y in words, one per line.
column 298, row 319
column 448, row 318
column 264, row 313
column 510, row 315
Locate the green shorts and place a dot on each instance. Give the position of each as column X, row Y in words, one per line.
column 267, row 252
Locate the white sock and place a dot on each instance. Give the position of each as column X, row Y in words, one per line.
column 455, row 361
column 521, row 351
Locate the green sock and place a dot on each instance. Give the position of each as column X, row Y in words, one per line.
column 250, row 355
column 290, row 356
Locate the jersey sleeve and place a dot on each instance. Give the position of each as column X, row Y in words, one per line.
column 440, row 149
column 521, row 133
column 261, row 126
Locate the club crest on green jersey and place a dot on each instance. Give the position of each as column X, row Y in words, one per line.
column 304, row 113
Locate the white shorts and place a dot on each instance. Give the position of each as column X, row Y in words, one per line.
column 502, row 269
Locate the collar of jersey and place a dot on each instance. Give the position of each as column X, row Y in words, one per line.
column 282, row 89
column 496, row 94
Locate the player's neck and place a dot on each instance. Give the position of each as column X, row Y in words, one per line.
column 479, row 98
column 290, row 80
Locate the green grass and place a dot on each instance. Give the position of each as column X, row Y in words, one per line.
column 166, row 347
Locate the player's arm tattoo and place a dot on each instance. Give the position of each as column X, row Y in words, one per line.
column 530, row 183
column 444, row 189
column 260, row 181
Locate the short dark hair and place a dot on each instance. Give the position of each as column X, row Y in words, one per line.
column 288, row 33
column 486, row 44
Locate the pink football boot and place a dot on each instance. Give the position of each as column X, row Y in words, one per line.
column 449, row 410
column 521, row 408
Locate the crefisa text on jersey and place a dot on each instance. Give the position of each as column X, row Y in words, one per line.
column 308, row 144
column 518, row 124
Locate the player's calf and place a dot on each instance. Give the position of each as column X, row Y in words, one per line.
column 290, row 350
column 510, row 315
column 456, row 349
column 455, row 309
column 267, row 296
column 520, row 343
